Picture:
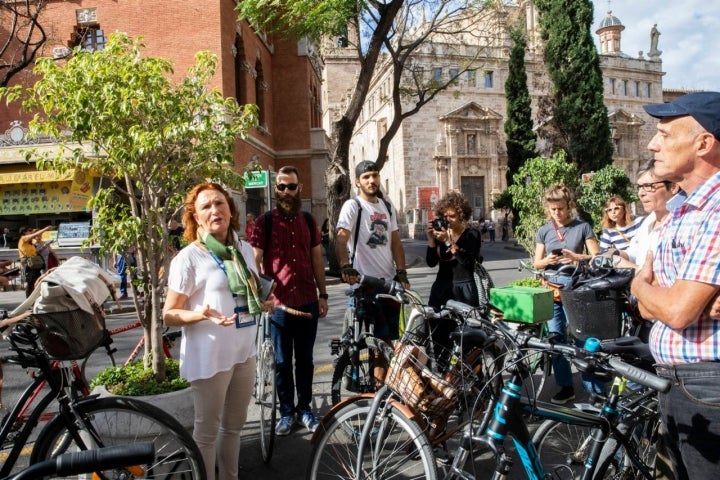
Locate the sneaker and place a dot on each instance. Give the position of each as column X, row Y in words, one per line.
column 284, row 426
column 565, row 395
column 310, row 421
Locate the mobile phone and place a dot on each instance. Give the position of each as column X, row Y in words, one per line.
column 557, row 251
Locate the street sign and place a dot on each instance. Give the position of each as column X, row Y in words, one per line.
column 256, row 179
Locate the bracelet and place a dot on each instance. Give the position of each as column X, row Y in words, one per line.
column 324, row 296
column 400, row 271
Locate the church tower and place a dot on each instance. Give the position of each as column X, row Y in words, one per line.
column 610, row 33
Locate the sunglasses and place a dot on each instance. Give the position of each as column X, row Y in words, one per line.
column 614, row 209
column 290, row 186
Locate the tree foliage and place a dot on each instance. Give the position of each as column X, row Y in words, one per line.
column 607, row 182
column 519, row 135
column 393, row 34
column 528, row 191
column 118, row 115
column 579, row 113
column 21, row 36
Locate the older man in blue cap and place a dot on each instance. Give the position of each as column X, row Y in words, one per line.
column 678, row 286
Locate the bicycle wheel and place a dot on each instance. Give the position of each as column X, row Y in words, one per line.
column 349, row 378
column 562, row 448
column 397, row 447
column 103, row 422
column 615, row 461
column 266, row 397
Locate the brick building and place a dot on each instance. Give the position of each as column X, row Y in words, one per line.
column 283, row 77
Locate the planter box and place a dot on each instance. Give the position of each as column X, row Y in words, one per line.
column 178, row 404
column 523, row 304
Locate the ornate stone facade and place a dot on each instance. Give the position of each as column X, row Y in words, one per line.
column 457, row 142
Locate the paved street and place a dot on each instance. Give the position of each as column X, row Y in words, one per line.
column 292, row 452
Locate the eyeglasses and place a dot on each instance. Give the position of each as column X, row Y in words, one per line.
column 290, row 186
column 614, row 209
column 650, row 187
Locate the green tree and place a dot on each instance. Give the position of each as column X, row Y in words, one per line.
column 118, row 114
column 607, row 182
column 392, row 35
column 519, row 135
column 579, row 113
column 528, row 192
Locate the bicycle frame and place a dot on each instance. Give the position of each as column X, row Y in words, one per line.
column 507, row 419
column 56, row 377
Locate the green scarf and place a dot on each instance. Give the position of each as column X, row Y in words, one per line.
column 240, row 279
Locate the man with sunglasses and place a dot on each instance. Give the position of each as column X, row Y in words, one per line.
column 368, row 243
column 293, row 256
column 678, row 283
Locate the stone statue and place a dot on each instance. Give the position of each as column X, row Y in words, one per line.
column 654, row 37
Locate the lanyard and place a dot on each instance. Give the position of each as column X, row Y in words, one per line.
column 560, row 236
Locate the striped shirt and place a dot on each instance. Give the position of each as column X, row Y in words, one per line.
column 619, row 237
column 689, row 249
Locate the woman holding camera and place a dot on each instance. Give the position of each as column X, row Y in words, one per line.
column 454, row 246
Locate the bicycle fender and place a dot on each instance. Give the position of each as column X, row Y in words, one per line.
column 322, row 426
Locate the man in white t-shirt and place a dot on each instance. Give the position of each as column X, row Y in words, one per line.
column 371, row 247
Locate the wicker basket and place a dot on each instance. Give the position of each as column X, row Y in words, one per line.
column 69, row 335
column 422, row 389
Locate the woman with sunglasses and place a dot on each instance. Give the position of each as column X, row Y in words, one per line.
column 618, row 224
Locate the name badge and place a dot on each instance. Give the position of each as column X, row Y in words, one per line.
column 242, row 321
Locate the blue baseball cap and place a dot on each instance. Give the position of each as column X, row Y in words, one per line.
column 704, row 107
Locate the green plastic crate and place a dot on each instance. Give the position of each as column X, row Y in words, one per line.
column 523, row 304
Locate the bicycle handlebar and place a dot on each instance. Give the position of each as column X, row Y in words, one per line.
column 602, row 359
column 87, row 461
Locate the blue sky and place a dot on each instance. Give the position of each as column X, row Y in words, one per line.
column 689, row 37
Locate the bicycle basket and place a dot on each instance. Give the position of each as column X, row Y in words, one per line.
column 68, row 335
column 593, row 313
column 421, row 388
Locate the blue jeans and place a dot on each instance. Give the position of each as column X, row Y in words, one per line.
column 294, row 335
column 558, row 328
column 691, row 414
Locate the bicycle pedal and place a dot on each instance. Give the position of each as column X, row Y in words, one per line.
column 334, row 346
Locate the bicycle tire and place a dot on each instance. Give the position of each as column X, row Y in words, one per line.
column 397, row 446
column 111, row 421
column 614, row 461
column 562, row 447
column 365, row 381
column 266, row 397
column 98, row 360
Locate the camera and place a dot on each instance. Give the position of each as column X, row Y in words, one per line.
column 439, row 224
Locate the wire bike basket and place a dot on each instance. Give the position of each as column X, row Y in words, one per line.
column 594, row 303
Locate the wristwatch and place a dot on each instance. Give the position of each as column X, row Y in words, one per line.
column 324, row 296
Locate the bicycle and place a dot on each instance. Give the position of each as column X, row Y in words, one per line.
column 358, row 348
column 461, row 388
column 125, row 458
column 384, row 436
column 265, row 389
column 83, row 422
